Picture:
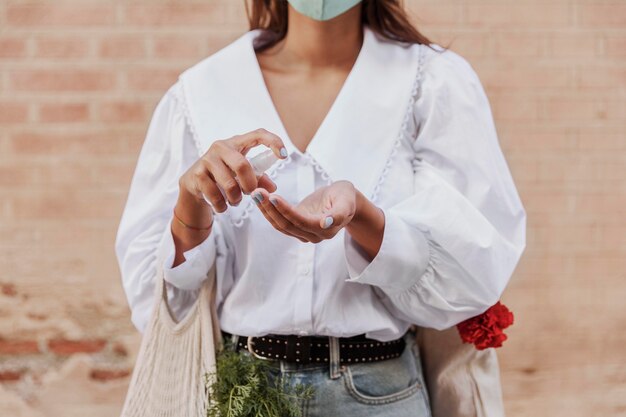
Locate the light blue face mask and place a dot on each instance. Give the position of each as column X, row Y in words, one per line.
column 322, row 9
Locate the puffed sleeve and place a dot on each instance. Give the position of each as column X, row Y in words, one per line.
column 144, row 234
column 449, row 250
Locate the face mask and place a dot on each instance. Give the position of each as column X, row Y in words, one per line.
column 322, row 9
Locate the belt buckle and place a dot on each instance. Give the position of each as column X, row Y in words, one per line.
column 256, row 355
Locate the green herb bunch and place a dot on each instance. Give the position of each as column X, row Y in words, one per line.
column 243, row 386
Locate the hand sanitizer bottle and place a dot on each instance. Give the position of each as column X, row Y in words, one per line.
column 263, row 161
column 260, row 163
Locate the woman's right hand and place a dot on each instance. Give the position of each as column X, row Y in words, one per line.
column 224, row 160
column 217, row 169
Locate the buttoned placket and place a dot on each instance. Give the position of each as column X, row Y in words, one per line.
column 303, row 319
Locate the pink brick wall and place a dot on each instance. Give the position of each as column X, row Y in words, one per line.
column 80, row 79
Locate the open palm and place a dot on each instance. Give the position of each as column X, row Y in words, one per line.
column 319, row 216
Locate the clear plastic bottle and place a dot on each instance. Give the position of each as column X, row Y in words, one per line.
column 260, row 163
column 263, row 161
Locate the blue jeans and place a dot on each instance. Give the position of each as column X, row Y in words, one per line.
column 390, row 388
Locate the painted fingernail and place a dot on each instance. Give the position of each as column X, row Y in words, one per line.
column 327, row 222
column 283, row 152
column 258, row 197
column 273, row 200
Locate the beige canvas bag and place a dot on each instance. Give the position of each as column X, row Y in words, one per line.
column 461, row 380
column 168, row 379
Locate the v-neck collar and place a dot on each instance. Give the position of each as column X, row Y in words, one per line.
column 225, row 95
column 337, row 102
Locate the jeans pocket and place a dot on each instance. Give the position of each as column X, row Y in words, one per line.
column 385, row 381
column 415, row 350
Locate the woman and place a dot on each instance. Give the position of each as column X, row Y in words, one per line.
column 391, row 204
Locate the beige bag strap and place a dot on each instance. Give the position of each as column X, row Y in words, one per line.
column 168, row 379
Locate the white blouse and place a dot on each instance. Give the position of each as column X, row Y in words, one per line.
column 416, row 136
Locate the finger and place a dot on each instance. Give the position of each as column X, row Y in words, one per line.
column 208, row 190
column 280, row 226
column 284, row 223
column 266, row 182
column 223, row 177
column 257, row 137
column 337, row 214
column 286, row 210
column 241, row 168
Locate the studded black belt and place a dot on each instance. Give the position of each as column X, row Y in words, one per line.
column 316, row 349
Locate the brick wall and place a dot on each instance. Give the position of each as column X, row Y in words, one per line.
column 79, row 81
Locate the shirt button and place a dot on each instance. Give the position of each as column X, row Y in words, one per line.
column 306, row 270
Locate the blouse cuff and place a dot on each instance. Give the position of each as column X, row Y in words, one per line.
column 401, row 261
column 190, row 274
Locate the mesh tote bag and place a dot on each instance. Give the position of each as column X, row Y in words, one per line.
column 168, row 379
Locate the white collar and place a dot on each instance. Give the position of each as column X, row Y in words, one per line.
column 226, row 95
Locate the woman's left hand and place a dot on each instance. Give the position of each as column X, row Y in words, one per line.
column 319, row 216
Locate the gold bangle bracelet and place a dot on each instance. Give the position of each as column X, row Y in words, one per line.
column 193, row 227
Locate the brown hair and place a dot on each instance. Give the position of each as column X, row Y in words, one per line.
column 387, row 18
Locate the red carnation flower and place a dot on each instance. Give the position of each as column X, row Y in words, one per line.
column 485, row 330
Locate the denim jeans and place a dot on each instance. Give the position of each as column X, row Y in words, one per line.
column 389, row 388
